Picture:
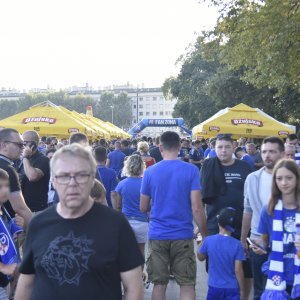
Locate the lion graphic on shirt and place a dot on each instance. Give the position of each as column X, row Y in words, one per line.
column 67, row 258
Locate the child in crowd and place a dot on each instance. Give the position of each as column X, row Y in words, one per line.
column 279, row 225
column 6, row 269
column 225, row 272
column 98, row 193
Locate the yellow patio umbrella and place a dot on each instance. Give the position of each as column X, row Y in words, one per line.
column 96, row 122
column 48, row 120
column 121, row 132
column 98, row 133
column 242, row 121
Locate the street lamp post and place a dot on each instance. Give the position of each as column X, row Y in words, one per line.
column 112, row 114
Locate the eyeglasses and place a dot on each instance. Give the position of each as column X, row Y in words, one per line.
column 66, row 178
column 20, row 145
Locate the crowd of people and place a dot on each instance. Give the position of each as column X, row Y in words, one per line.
column 104, row 219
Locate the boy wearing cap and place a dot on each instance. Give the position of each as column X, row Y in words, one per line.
column 225, row 271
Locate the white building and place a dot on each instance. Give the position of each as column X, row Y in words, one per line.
column 146, row 103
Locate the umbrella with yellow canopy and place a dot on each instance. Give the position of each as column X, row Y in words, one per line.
column 98, row 132
column 242, row 121
column 48, row 120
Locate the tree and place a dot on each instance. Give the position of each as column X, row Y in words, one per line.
column 262, row 37
column 121, row 110
column 205, row 85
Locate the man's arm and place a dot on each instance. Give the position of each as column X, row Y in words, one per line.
column 246, row 225
column 33, row 174
column 133, row 285
column 201, row 256
column 198, row 212
column 145, row 203
column 107, row 162
column 25, row 287
column 116, row 200
column 19, row 206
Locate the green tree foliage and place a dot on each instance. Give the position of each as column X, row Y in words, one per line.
column 101, row 108
column 205, row 85
column 262, row 37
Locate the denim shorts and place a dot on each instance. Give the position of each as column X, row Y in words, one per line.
column 140, row 230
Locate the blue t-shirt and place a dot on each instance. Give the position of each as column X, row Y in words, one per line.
column 248, row 159
column 207, row 151
column 129, row 189
column 223, row 251
column 289, row 231
column 116, row 159
column 169, row 184
column 212, row 153
column 235, row 176
column 109, row 180
column 196, row 155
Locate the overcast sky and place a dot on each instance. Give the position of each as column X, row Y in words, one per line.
column 63, row 43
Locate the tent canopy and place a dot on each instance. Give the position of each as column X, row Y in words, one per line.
column 48, row 120
column 242, row 121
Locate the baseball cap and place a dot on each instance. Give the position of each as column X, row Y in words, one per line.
column 227, row 218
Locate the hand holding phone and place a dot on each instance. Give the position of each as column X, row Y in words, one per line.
column 254, row 245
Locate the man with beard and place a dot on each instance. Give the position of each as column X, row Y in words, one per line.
column 257, row 192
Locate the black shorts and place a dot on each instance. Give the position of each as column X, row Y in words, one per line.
column 247, row 268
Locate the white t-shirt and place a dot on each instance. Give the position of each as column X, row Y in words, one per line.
column 265, row 186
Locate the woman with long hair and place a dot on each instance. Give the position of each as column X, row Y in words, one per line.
column 278, row 225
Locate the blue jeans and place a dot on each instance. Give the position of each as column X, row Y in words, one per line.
column 259, row 279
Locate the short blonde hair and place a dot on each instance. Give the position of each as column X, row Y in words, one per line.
column 77, row 151
column 134, row 166
column 143, row 146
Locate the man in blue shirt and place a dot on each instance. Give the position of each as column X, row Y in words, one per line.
column 107, row 175
column 196, row 155
column 175, row 201
column 115, row 158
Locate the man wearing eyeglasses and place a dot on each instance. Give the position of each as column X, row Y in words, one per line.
column 11, row 146
column 79, row 249
column 34, row 173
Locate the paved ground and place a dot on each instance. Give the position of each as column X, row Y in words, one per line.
column 173, row 288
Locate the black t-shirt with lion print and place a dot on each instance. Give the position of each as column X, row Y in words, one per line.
column 79, row 258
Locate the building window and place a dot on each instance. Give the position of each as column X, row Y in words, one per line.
column 154, row 98
column 140, row 105
column 140, row 113
column 134, row 106
column 161, row 113
column 134, row 121
column 147, row 113
column 161, row 106
column 141, row 98
column 154, row 113
column 147, row 106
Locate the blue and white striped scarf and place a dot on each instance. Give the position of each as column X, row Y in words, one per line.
column 276, row 284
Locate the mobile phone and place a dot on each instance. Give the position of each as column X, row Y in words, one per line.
column 33, row 146
column 250, row 242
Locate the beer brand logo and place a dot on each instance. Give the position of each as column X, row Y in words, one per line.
column 283, row 133
column 214, row 128
column 71, row 130
column 39, row 119
column 247, row 121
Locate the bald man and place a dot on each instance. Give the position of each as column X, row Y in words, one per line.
column 289, row 151
column 34, row 173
